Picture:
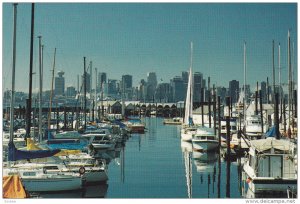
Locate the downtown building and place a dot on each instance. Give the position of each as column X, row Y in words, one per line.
column 151, row 86
column 233, row 90
column 59, row 85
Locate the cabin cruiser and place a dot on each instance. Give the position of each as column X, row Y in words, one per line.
column 204, row 139
column 94, row 170
column 37, row 177
column 135, row 126
column 253, row 127
column 270, row 165
column 100, row 139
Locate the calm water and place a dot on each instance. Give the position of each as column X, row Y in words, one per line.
column 158, row 165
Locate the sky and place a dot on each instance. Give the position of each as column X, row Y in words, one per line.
column 137, row 38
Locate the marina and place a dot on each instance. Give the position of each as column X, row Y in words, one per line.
column 183, row 139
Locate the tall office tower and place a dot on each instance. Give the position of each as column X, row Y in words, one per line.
column 126, row 82
column 102, row 79
column 88, row 83
column 151, row 85
column 233, row 90
column 179, row 91
column 163, row 92
column 198, row 77
column 60, row 84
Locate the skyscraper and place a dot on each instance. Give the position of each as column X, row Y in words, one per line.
column 60, row 84
column 197, row 86
column 126, row 81
column 179, row 91
column 163, row 92
column 151, row 85
column 112, row 86
column 88, row 83
column 101, row 78
column 71, row 92
column 185, row 76
column 234, row 90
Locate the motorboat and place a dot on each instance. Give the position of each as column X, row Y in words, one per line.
column 253, row 127
column 101, row 139
column 270, row 165
column 19, row 139
column 94, row 170
column 204, row 139
column 45, row 177
column 135, row 126
column 173, row 121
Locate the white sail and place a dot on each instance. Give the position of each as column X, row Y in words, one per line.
column 189, row 94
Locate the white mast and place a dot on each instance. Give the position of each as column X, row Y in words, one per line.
column 279, row 68
column 51, row 94
column 289, row 77
column 189, row 94
column 245, row 94
column 96, row 73
column 192, row 84
column 41, row 91
column 11, row 128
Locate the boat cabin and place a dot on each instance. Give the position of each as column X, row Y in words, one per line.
column 271, row 158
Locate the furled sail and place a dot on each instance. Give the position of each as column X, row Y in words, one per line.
column 14, row 154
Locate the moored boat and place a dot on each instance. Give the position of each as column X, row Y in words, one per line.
column 271, row 165
column 204, row 139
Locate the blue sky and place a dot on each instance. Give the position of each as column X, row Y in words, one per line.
column 136, row 38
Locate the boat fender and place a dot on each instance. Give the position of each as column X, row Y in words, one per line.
column 248, row 180
column 81, row 170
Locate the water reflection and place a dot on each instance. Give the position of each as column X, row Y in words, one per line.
column 95, row 191
column 206, row 168
column 90, row 191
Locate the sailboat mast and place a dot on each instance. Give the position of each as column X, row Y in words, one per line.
column 273, row 67
column 84, row 80
column 96, row 73
column 289, row 76
column 41, row 91
column 192, row 84
column 51, row 94
column 279, row 69
column 245, row 94
column 30, row 75
column 11, row 128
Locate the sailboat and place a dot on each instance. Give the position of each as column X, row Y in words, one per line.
column 34, row 178
column 187, row 128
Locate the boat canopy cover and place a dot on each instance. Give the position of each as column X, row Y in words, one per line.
column 14, row 154
column 81, row 145
column 12, row 187
column 271, row 132
column 266, row 144
column 32, row 146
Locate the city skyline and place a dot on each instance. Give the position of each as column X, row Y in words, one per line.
column 136, row 39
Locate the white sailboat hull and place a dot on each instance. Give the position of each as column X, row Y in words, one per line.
column 52, row 184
